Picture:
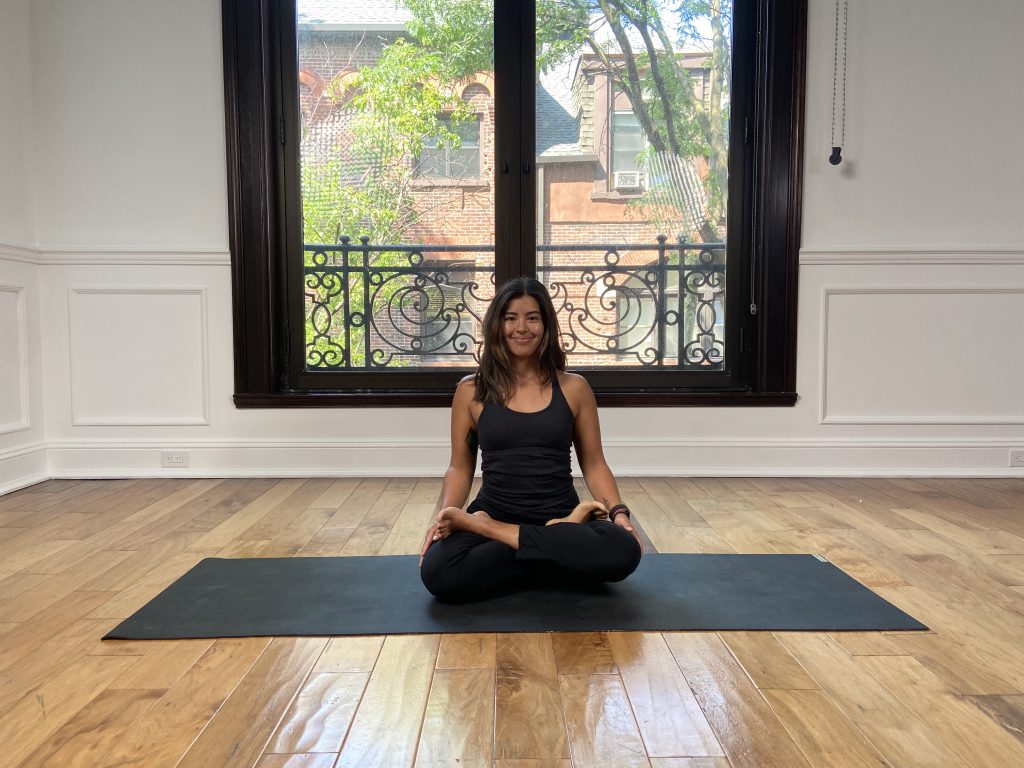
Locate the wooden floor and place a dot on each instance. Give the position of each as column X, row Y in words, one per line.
column 77, row 556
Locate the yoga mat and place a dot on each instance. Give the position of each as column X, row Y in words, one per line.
column 384, row 595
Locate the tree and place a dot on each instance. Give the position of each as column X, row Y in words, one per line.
column 642, row 60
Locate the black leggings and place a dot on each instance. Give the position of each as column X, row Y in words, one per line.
column 466, row 565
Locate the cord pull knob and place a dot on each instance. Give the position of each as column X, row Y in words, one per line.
column 837, row 156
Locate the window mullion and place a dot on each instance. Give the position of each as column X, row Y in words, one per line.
column 514, row 110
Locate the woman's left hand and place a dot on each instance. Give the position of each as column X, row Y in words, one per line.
column 625, row 522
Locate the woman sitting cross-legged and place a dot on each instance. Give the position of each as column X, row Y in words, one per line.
column 527, row 523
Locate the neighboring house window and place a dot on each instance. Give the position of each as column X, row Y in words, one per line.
column 441, row 159
column 627, row 147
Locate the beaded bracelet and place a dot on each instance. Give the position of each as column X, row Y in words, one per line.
column 618, row 509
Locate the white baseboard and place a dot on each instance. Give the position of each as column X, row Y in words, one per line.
column 23, row 466
column 627, row 457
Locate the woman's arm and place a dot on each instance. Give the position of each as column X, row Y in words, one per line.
column 458, row 479
column 587, row 437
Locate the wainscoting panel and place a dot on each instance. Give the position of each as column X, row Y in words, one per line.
column 914, row 355
column 138, row 356
column 14, row 379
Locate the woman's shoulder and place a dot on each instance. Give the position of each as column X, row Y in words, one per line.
column 465, row 398
column 576, row 390
column 466, row 388
column 575, row 381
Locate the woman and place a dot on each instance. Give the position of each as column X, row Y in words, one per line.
column 524, row 410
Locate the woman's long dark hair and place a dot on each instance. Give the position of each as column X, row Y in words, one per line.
column 495, row 382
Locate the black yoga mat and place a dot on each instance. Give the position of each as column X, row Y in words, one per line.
column 384, row 595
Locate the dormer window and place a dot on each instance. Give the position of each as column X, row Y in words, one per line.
column 628, row 144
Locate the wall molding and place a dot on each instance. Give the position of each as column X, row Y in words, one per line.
column 25, row 421
column 142, row 256
column 135, row 257
column 882, row 256
column 24, row 253
column 203, row 419
column 823, row 415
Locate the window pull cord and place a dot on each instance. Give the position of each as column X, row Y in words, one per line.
column 837, row 146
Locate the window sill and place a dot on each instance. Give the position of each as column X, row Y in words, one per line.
column 418, row 184
column 614, row 197
column 435, row 399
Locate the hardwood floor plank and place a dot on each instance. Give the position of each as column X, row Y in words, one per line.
column 238, row 733
column 165, row 732
column 867, row 644
column 291, row 539
column 749, row 732
column 321, row 713
column 387, row 723
column 1008, row 569
column 336, row 493
column 163, row 662
column 888, row 724
column 823, row 733
column 321, row 760
column 977, row 740
column 766, row 661
column 219, row 537
column 956, row 664
column 24, row 595
column 457, row 730
column 601, row 726
column 1008, row 711
column 690, row 762
column 407, row 532
column 583, row 653
column 36, row 718
column 282, row 515
column 528, row 721
column 375, row 527
column 29, row 636
column 129, row 600
column 995, row 647
column 87, row 738
column 350, row 654
column 474, row 651
column 670, row 720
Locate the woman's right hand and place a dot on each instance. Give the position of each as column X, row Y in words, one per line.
column 431, row 537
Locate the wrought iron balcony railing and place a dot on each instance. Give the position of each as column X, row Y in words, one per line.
column 377, row 306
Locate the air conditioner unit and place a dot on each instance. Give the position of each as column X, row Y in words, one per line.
column 627, row 179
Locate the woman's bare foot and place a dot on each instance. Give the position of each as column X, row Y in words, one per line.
column 454, row 519
column 583, row 511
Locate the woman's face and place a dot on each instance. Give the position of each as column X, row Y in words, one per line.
column 523, row 325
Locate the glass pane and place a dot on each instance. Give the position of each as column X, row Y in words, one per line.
column 398, row 249
column 632, row 231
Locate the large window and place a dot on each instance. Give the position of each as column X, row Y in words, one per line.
column 392, row 162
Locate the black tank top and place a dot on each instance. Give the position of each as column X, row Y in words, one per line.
column 527, row 475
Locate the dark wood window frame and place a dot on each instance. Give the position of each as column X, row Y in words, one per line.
column 766, row 194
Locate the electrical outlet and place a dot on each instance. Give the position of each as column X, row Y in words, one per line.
column 174, row 459
column 1017, row 457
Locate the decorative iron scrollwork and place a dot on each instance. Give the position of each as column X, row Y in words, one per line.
column 380, row 306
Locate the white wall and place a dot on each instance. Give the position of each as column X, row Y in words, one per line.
column 911, row 284
column 22, row 449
